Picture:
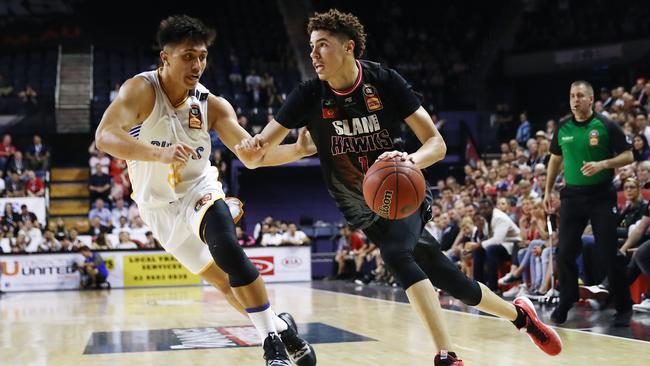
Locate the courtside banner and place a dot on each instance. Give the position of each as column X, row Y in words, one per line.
column 282, row 264
column 155, row 269
column 141, row 268
column 39, row 272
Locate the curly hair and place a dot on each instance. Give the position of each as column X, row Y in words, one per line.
column 179, row 28
column 342, row 25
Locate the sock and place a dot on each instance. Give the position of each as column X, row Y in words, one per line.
column 262, row 318
column 280, row 325
column 520, row 322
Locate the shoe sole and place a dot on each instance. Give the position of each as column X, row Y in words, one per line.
column 528, row 307
column 641, row 310
column 586, row 293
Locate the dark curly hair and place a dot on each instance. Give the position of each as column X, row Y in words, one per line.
column 179, row 28
column 343, row 25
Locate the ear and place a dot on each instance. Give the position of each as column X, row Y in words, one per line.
column 349, row 47
column 163, row 58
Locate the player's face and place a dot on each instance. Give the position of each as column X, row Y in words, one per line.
column 580, row 100
column 186, row 62
column 327, row 53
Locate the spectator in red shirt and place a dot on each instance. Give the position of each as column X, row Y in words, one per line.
column 348, row 242
column 7, row 150
column 34, row 185
column 121, row 186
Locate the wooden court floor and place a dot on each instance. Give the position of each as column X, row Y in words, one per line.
column 176, row 326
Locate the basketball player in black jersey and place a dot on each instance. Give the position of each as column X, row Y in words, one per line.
column 353, row 111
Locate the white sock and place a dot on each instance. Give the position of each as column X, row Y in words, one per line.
column 262, row 318
column 280, row 324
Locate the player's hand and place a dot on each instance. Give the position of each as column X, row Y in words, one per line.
column 252, row 149
column 177, row 153
column 592, row 167
column 548, row 204
column 402, row 156
column 305, row 144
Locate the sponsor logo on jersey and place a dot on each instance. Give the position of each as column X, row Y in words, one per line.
column 373, row 104
column 593, row 138
column 567, row 138
column 357, row 126
column 195, row 116
column 200, row 203
column 357, row 144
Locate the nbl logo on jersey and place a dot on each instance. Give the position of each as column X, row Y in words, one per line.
column 194, row 119
column 370, row 95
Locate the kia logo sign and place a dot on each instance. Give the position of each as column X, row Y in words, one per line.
column 264, row 265
column 292, row 262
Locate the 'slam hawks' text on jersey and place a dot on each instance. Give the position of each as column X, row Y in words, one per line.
column 351, row 129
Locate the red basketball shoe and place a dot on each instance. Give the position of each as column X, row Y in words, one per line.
column 444, row 358
column 544, row 337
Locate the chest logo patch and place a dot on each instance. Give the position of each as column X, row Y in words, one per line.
column 329, row 109
column 370, row 95
column 194, row 120
column 593, row 138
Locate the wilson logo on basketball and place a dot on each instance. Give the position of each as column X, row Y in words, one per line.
column 265, row 265
column 292, row 262
column 385, row 206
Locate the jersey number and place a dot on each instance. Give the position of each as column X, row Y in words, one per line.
column 363, row 160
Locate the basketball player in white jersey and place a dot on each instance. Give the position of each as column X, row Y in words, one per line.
column 159, row 124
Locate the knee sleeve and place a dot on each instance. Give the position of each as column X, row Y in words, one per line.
column 445, row 275
column 218, row 231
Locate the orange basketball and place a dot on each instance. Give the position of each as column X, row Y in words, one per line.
column 393, row 189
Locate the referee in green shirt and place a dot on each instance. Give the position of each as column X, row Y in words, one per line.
column 590, row 146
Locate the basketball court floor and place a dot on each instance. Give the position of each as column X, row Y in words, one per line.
column 348, row 325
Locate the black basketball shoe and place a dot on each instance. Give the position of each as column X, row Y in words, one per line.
column 274, row 352
column 301, row 352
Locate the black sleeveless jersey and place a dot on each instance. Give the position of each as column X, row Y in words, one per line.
column 351, row 129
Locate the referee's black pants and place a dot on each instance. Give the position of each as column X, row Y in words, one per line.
column 579, row 205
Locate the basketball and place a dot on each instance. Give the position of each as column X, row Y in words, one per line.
column 393, row 189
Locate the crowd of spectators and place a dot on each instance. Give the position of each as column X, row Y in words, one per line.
column 554, row 24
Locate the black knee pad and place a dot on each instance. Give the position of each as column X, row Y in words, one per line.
column 218, row 232
column 444, row 274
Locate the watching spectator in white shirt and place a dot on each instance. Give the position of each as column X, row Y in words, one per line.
column 273, row 237
column 122, row 225
column 125, row 241
column 118, row 211
column 294, row 236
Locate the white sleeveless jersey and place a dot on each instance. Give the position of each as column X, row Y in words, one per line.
column 154, row 183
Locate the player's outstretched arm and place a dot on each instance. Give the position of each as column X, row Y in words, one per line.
column 265, row 150
column 133, row 105
column 433, row 147
column 261, row 150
